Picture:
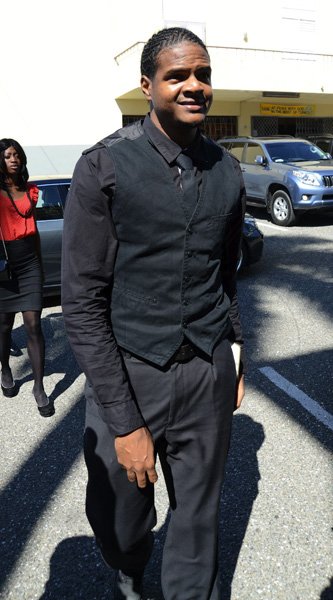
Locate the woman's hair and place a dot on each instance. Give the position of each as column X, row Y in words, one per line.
column 165, row 38
column 23, row 174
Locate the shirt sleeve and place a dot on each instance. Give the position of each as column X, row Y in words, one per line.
column 231, row 252
column 88, row 255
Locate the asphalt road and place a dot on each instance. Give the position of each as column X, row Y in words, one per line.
column 276, row 509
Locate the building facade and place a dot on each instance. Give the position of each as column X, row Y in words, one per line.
column 271, row 65
column 72, row 67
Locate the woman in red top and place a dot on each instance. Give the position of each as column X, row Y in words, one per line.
column 23, row 293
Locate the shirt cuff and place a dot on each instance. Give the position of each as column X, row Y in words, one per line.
column 123, row 418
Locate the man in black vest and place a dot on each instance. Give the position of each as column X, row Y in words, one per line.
column 151, row 238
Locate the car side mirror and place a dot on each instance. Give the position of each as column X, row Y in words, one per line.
column 260, row 160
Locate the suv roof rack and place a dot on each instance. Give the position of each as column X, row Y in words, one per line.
column 254, row 137
column 319, row 135
column 273, row 137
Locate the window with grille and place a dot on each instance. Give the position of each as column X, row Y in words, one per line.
column 299, row 126
column 218, row 127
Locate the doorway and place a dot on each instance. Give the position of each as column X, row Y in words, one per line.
column 286, row 126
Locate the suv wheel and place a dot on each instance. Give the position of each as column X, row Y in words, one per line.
column 282, row 212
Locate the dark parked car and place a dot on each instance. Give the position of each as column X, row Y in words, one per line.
column 286, row 175
column 53, row 191
column 252, row 243
column 323, row 141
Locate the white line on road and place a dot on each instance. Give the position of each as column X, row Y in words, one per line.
column 294, row 392
column 272, row 226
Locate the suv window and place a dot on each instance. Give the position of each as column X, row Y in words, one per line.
column 51, row 201
column 325, row 145
column 293, row 152
column 236, row 148
column 252, row 151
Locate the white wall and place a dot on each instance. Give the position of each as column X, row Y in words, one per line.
column 56, row 76
column 59, row 78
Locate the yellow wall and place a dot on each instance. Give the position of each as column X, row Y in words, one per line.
column 243, row 110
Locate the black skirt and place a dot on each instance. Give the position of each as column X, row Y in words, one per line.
column 24, row 291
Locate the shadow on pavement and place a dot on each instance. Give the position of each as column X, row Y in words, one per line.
column 239, row 493
column 327, row 593
column 77, row 571
column 26, row 496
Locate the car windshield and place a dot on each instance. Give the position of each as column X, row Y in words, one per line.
column 285, row 152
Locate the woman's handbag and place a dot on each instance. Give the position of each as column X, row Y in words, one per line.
column 5, row 272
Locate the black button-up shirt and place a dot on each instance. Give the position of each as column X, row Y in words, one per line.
column 89, row 251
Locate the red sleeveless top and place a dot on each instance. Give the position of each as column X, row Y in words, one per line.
column 15, row 227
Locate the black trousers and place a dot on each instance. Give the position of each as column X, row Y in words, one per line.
column 188, row 409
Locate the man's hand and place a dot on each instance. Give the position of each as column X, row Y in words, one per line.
column 240, row 391
column 135, row 452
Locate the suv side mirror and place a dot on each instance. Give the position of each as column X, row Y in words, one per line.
column 260, row 160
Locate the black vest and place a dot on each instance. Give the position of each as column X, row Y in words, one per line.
column 167, row 281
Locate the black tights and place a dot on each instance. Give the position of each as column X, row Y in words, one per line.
column 35, row 344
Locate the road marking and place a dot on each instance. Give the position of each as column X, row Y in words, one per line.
column 272, row 226
column 294, row 392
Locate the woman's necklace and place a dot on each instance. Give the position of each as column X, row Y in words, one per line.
column 25, row 215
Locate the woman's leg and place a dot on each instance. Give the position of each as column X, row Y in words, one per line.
column 36, row 351
column 36, row 348
column 6, row 326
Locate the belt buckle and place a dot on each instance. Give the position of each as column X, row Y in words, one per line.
column 184, row 353
column 181, row 354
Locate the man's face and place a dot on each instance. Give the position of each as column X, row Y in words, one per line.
column 180, row 91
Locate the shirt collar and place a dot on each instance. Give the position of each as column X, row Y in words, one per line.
column 168, row 148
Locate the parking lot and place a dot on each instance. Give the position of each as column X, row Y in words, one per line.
column 276, row 509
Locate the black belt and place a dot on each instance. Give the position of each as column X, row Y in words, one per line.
column 184, row 353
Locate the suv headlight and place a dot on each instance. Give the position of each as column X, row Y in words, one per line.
column 308, row 178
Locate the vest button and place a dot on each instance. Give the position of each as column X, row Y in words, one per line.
column 187, row 278
column 184, row 324
column 189, row 253
column 185, row 302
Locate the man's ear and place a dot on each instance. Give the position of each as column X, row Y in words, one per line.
column 146, row 86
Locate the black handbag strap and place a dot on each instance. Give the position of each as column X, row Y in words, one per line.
column 4, row 245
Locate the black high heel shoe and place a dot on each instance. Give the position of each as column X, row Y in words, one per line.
column 44, row 405
column 10, row 392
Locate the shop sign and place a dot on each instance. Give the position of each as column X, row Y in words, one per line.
column 287, row 110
